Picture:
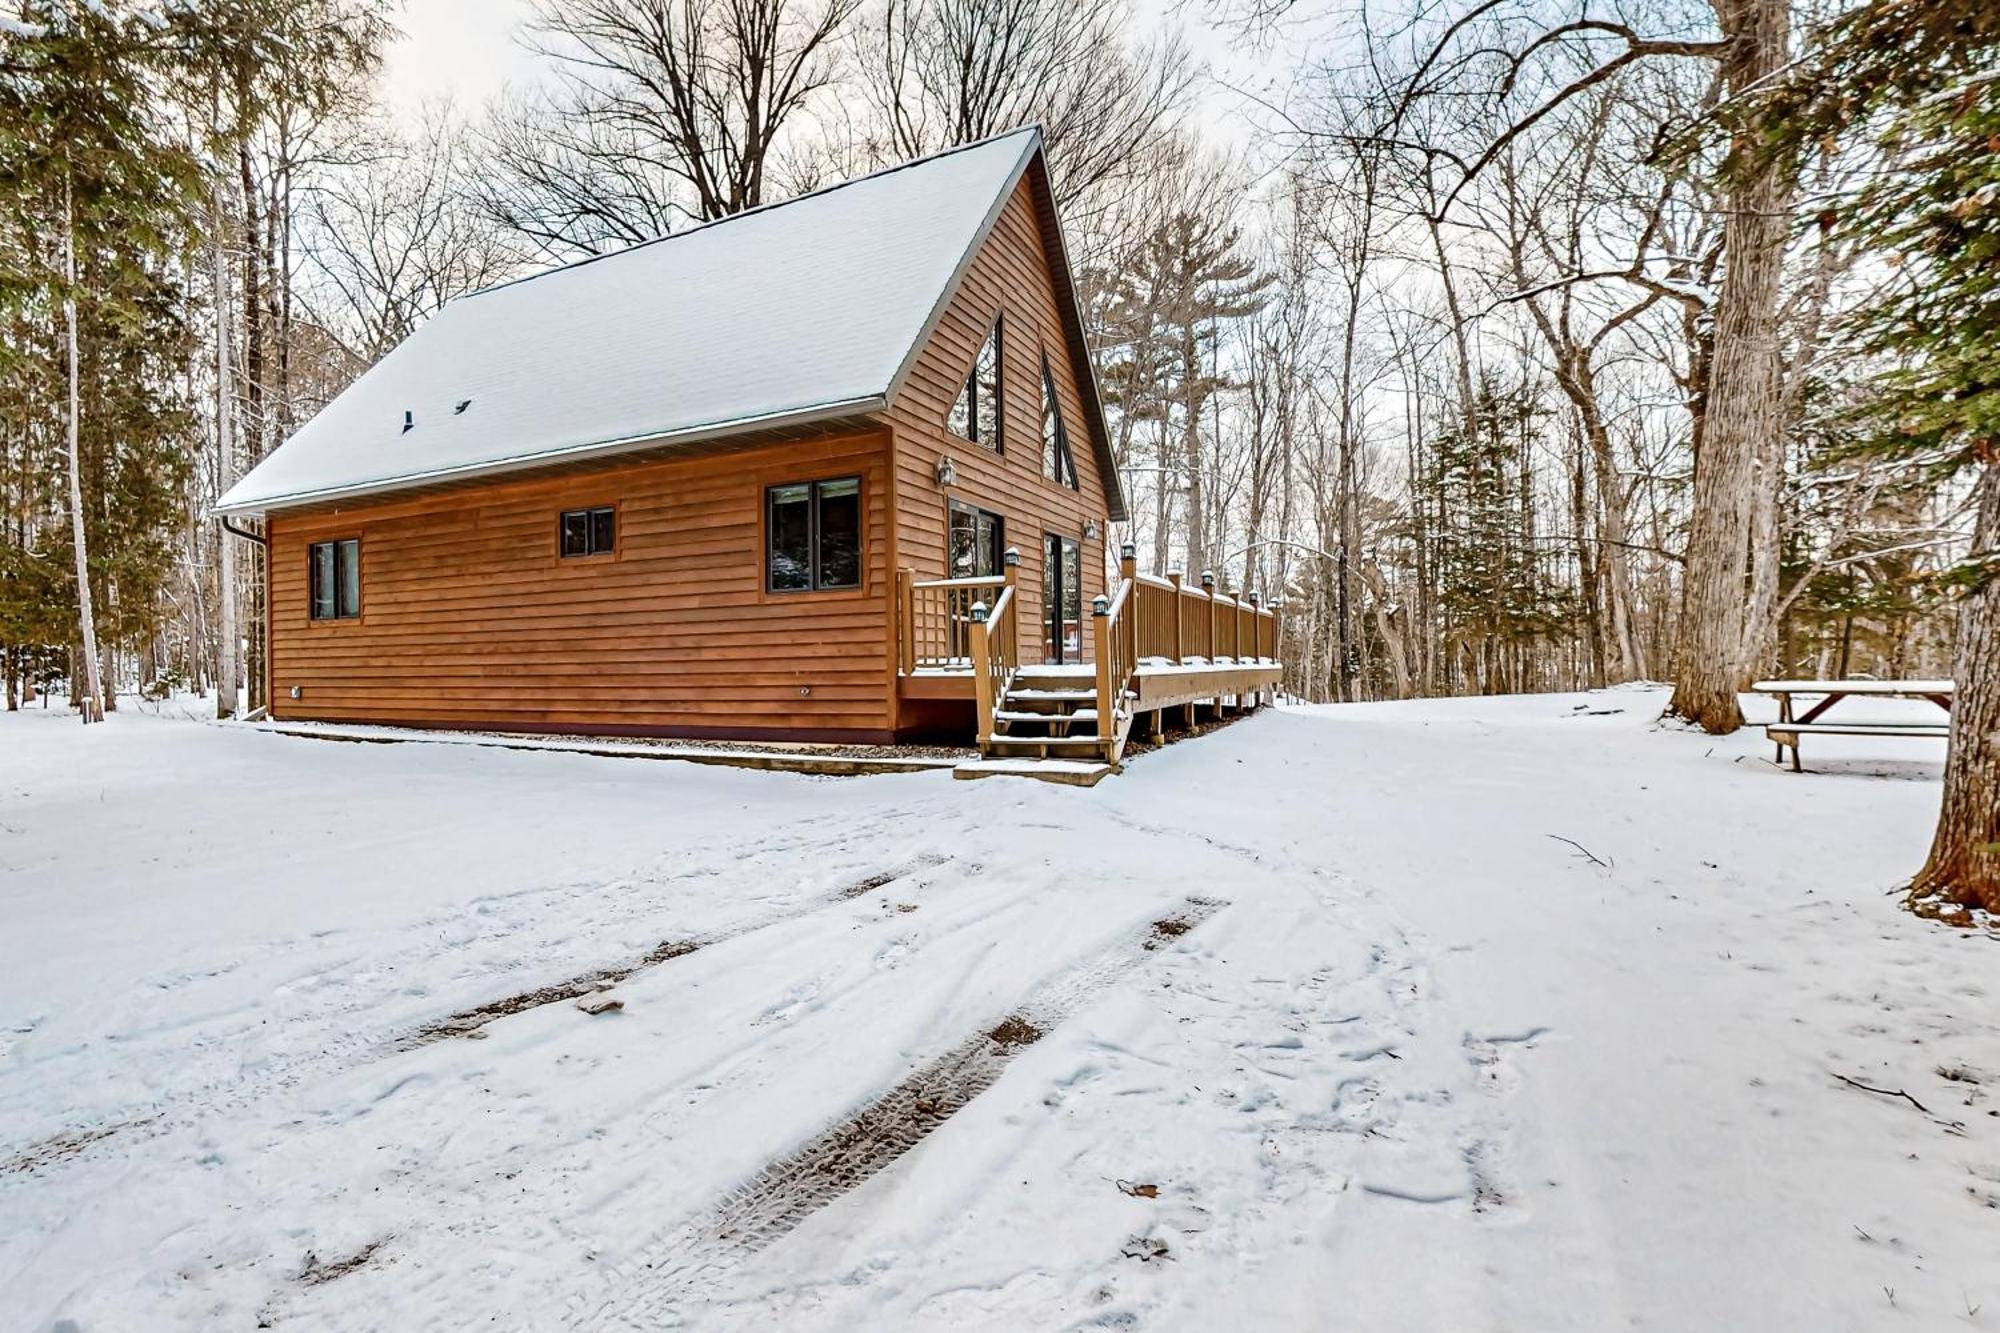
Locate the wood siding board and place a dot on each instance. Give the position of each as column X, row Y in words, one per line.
column 471, row 618
column 1012, row 276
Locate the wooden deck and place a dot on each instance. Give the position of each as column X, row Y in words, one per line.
column 1154, row 643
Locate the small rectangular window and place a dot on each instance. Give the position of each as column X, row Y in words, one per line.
column 589, row 531
column 812, row 535
column 334, row 570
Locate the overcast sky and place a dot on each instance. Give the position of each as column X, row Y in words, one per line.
column 461, row 49
column 468, row 50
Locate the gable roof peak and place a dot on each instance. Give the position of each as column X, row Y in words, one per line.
column 796, row 313
column 759, row 210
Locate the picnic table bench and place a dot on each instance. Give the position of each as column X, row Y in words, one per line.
column 1785, row 732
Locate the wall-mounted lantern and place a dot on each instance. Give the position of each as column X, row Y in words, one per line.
column 947, row 471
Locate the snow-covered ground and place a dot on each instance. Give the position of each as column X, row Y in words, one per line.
column 1507, row 1014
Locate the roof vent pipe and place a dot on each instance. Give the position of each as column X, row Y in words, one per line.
column 409, row 421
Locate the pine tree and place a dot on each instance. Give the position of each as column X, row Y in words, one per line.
column 1490, row 586
column 1918, row 85
column 1166, row 308
column 96, row 213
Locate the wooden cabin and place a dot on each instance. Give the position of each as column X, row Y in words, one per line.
column 834, row 469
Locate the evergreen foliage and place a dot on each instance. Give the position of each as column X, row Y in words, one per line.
column 83, row 154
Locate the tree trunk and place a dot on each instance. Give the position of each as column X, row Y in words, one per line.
column 1743, row 408
column 1587, row 567
column 1197, row 491
column 229, row 637
column 1760, row 609
column 1964, row 864
column 92, row 705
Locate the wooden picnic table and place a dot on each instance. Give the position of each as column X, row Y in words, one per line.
column 1832, row 692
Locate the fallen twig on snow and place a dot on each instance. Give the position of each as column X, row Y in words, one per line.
column 1593, row 857
column 1882, row 1092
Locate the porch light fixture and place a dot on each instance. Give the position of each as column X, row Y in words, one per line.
column 947, row 471
column 1090, row 530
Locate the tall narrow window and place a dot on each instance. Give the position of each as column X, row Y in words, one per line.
column 812, row 535
column 975, row 414
column 588, row 531
column 1057, row 464
column 977, row 538
column 334, row 575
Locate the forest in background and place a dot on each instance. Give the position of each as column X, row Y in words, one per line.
column 1504, row 345
column 1447, row 419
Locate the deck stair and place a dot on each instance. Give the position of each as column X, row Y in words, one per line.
column 1154, row 644
column 1050, row 712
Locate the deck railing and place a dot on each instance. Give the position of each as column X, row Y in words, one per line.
column 996, row 646
column 972, row 626
column 1148, row 618
column 935, row 621
column 1175, row 623
column 1116, row 634
column 1169, row 620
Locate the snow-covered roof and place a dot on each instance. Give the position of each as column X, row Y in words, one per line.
column 801, row 311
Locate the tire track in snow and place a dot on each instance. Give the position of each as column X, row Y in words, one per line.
column 472, row 1022
column 651, row 1289
column 350, row 1048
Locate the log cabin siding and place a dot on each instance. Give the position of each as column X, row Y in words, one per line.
column 470, row 617
column 1010, row 277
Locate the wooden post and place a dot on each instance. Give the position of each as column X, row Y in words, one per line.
column 1128, row 572
column 1208, row 586
column 1107, row 702
column 982, row 682
column 1010, row 569
column 1257, row 632
column 1159, row 726
column 1180, row 620
column 906, row 617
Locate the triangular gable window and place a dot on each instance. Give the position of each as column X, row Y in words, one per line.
column 975, row 414
column 1057, row 463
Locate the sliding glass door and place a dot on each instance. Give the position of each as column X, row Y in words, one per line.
column 1062, row 600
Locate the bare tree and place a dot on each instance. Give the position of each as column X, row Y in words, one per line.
column 662, row 111
column 393, row 238
column 1744, row 400
column 943, row 72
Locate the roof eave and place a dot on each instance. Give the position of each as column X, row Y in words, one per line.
column 1093, row 397
column 805, row 416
